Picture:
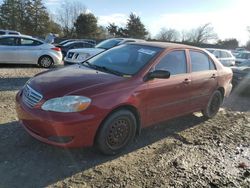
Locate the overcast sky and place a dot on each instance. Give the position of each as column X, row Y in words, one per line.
column 229, row 18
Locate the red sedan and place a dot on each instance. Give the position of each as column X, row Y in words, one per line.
column 106, row 100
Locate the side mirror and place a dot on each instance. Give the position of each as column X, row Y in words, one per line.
column 160, row 74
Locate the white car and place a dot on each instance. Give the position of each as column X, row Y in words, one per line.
column 22, row 49
column 79, row 55
column 224, row 56
column 9, row 32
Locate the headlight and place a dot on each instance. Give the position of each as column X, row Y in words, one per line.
column 67, row 104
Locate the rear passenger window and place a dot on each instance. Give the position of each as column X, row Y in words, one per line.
column 2, row 33
column 8, row 41
column 174, row 62
column 200, row 62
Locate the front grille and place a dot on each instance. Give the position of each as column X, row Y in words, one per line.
column 76, row 55
column 70, row 54
column 31, row 97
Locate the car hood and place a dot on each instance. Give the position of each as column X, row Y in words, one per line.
column 88, row 50
column 65, row 81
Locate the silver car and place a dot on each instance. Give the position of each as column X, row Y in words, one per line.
column 21, row 49
column 9, row 32
column 224, row 56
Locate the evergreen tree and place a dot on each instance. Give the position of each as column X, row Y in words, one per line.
column 135, row 28
column 86, row 26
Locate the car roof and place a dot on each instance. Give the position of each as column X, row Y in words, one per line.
column 21, row 36
column 9, row 31
column 165, row 45
column 78, row 41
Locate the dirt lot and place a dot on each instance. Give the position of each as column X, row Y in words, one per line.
column 185, row 152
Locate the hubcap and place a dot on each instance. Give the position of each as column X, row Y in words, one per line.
column 118, row 133
column 45, row 61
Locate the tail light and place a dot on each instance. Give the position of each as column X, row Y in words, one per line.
column 56, row 49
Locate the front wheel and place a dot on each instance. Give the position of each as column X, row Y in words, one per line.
column 213, row 105
column 45, row 61
column 116, row 132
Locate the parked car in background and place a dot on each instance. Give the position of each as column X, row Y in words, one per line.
column 79, row 55
column 106, row 100
column 241, row 77
column 242, row 57
column 224, row 56
column 75, row 45
column 72, row 40
column 22, row 49
column 9, row 32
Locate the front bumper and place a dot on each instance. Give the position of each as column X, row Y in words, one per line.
column 79, row 129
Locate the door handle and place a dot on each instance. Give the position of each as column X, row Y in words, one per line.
column 213, row 76
column 187, row 81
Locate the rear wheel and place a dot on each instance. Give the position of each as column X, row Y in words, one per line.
column 213, row 105
column 117, row 131
column 45, row 61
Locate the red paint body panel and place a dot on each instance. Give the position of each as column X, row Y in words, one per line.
column 155, row 100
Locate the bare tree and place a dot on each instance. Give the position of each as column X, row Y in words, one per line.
column 203, row 34
column 69, row 11
column 168, row 35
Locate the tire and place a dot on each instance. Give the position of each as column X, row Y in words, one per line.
column 116, row 132
column 213, row 105
column 45, row 61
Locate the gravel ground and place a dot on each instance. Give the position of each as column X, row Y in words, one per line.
column 184, row 152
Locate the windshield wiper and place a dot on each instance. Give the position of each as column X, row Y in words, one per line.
column 102, row 68
column 105, row 69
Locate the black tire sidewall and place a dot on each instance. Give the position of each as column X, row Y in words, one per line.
column 207, row 112
column 101, row 137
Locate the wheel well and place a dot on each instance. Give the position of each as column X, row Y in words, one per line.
column 126, row 107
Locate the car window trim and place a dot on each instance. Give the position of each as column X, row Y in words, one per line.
column 201, row 51
column 164, row 53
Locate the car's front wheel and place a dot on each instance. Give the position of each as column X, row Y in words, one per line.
column 45, row 61
column 116, row 132
column 213, row 105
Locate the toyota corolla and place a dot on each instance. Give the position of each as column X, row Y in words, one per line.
column 108, row 99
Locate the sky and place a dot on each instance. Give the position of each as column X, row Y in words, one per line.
column 229, row 18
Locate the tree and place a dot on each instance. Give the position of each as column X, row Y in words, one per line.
column 135, row 27
column 86, row 26
column 248, row 45
column 113, row 29
column 168, row 35
column 27, row 16
column 37, row 18
column 202, row 34
column 69, row 12
column 229, row 43
column 9, row 14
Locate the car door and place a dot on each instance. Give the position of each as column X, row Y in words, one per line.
column 8, row 47
column 204, row 78
column 167, row 98
column 28, row 50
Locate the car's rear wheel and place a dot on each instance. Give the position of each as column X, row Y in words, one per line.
column 213, row 105
column 116, row 132
column 45, row 61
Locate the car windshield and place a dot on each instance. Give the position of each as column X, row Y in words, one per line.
column 126, row 59
column 107, row 44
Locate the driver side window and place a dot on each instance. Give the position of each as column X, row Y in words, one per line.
column 175, row 62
